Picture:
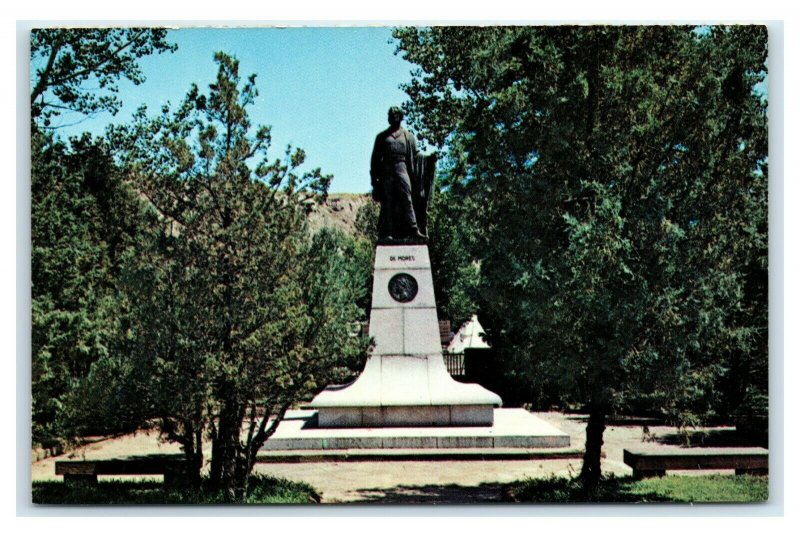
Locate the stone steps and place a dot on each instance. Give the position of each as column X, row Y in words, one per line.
column 377, row 455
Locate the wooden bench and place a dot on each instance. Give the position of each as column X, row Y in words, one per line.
column 172, row 468
column 656, row 462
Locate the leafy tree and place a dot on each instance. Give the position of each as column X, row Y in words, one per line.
column 455, row 273
column 237, row 314
column 82, row 217
column 366, row 236
column 66, row 61
column 614, row 180
column 367, row 221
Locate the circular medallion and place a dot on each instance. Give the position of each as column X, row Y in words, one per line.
column 403, row 287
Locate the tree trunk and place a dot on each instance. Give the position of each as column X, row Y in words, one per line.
column 189, row 435
column 229, row 470
column 193, row 450
column 215, row 472
column 591, row 471
column 195, row 466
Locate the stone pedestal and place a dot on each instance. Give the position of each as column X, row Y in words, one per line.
column 405, row 382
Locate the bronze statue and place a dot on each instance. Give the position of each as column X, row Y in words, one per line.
column 422, row 188
column 402, row 182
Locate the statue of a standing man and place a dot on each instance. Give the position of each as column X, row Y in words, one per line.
column 392, row 172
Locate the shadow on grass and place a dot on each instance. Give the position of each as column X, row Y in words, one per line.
column 261, row 490
column 564, row 490
column 144, row 492
column 670, row 489
column 434, row 494
column 548, row 490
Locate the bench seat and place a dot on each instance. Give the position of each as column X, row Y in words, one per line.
column 172, row 468
column 655, row 462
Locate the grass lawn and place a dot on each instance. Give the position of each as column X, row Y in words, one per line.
column 262, row 490
column 678, row 488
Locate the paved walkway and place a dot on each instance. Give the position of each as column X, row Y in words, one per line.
column 400, row 481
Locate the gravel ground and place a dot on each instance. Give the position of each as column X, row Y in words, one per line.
column 403, row 481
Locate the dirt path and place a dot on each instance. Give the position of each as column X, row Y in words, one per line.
column 403, row 481
column 416, row 481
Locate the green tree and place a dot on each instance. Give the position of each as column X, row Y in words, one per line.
column 366, row 236
column 455, row 271
column 78, row 69
column 615, row 182
column 82, row 217
column 238, row 314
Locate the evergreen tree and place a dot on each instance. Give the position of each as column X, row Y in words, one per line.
column 614, row 180
column 82, row 217
column 237, row 315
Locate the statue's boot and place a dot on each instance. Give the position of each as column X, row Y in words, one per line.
column 416, row 234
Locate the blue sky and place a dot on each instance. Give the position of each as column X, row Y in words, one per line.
column 325, row 90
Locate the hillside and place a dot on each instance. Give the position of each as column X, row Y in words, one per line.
column 339, row 211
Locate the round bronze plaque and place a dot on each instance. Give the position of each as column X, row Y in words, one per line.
column 403, row 287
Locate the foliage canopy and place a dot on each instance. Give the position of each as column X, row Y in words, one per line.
column 613, row 180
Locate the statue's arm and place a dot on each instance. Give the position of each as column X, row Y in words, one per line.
column 412, row 156
column 375, row 163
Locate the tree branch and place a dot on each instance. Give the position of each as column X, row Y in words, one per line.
column 42, row 83
column 264, row 432
column 98, row 65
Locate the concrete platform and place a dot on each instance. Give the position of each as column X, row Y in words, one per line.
column 513, row 428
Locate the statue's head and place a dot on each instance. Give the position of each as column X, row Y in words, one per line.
column 396, row 116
